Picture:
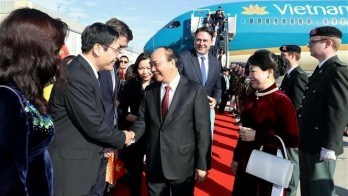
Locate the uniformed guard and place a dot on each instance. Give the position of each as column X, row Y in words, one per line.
column 293, row 85
column 323, row 116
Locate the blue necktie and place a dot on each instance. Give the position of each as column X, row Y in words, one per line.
column 204, row 72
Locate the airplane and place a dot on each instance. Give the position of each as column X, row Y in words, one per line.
column 253, row 25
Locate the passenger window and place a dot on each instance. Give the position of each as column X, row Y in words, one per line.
column 334, row 21
column 300, row 21
column 267, row 21
column 326, row 21
column 259, row 21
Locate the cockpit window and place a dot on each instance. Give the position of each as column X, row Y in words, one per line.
column 173, row 24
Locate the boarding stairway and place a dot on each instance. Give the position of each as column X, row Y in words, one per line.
column 227, row 34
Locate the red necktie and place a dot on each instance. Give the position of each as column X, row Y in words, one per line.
column 165, row 102
column 122, row 75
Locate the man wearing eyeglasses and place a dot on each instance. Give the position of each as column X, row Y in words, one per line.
column 109, row 86
column 82, row 130
column 323, row 116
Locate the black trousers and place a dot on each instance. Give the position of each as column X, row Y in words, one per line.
column 164, row 187
column 223, row 103
column 133, row 158
column 100, row 184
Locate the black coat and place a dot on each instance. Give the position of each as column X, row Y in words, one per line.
column 81, row 130
column 293, row 85
column 324, row 113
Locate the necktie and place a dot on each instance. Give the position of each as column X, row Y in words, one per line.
column 122, row 75
column 165, row 102
column 204, row 72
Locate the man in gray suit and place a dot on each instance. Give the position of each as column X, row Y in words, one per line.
column 178, row 129
column 293, row 85
column 323, row 116
column 79, row 115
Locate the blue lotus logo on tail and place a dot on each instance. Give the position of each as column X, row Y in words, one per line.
column 252, row 10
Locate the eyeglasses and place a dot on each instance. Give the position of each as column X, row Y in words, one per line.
column 117, row 50
column 123, row 61
column 312, row 42
column 113, row 49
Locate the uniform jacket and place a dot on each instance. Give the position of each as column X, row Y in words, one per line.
column 293, row 85
column 324, row 114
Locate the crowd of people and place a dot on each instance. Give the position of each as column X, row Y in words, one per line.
column 98, row 108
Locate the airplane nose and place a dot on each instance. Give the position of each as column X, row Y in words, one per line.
column 149, row 46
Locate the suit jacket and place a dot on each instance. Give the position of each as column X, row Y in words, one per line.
column 182, row 141
column 293, row 85
column 130, row 99
column 109, row 94
column 190, row 68
column 323, row 116
column 81, row 130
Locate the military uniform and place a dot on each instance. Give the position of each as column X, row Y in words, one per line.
column 293, row 85
column 322, row 119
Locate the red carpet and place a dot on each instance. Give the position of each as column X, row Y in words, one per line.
column 220, row 178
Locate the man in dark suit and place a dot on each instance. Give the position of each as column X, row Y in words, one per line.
column 79, row 115
column 225, row 85
column 293, row 85
column 178, row 128
column 200, row 66
column 323, row 116
column 109, row 87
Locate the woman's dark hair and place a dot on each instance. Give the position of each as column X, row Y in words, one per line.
column 30, row 41
column 141, row 57
column 265, row 59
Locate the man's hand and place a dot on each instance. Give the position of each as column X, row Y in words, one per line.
column 201, row 175
column 327, row 154
column 130, row 135
column 212, row 102
column 107, row 152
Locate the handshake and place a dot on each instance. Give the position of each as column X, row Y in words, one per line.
column 130, row 137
